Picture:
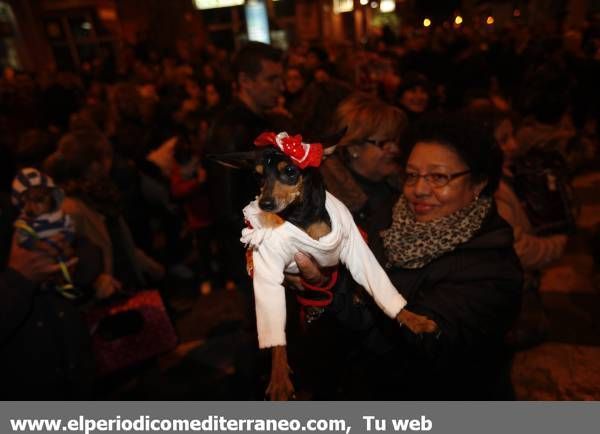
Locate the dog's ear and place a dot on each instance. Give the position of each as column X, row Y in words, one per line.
column 235, row 160
column 330, row 141
column 328, row 151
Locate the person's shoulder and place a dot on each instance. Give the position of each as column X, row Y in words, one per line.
column 340, row 182
column 76, row 208
column 495, row 234
column 490, row 253
column 235, row 112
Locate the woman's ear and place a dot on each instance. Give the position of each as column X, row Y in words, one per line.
column 353, row 151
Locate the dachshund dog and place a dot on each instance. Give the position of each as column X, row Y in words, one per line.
column 294, row 213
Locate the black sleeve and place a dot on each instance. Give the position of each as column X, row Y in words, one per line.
column 473, row 308
column 16, row 300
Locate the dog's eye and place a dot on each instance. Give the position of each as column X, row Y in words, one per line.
column 290, row 171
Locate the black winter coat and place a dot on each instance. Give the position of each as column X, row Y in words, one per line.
column 472, row 293
column 45, row 349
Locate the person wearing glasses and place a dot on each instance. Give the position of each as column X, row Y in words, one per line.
column 364, row 173
column 451, row 256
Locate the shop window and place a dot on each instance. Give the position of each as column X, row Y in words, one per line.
column 77, row 37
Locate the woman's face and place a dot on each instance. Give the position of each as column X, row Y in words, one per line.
column 430, row 203
column 504, row 135
column 376, row 158
column 415, row 99
column 293, row 81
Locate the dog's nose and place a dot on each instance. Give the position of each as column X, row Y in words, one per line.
column 267, row 204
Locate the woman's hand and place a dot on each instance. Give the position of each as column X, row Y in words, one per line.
column 106, row 285
column 416, row 323
column 309, row 272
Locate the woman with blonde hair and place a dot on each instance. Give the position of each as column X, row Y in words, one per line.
column 364, row 172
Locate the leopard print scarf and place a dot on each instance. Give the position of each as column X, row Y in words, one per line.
column 412, row 244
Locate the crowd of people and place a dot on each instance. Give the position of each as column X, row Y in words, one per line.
column 445, row 132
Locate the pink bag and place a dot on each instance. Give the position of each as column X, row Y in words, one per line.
column 127, row 332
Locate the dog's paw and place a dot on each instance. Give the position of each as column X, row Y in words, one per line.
column 416, row 323
column 280, row 389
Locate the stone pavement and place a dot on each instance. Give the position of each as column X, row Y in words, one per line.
column 567, row 365
column 216, row 336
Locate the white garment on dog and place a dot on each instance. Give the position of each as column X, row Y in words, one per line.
column 273, row 250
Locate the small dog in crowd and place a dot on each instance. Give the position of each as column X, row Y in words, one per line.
column 294, row 213
column 42, row 225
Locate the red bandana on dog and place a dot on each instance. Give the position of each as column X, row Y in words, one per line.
column 302, row 154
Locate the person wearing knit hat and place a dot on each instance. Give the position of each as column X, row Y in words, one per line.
column 42, row 222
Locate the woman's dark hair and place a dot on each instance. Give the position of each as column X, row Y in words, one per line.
column 70, row 166
column 463, row 133
column 76, row 153
column 412, row 80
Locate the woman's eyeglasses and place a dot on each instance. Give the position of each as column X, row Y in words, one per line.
column 433, row 179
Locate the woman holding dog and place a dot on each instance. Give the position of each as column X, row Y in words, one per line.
column 451, row 256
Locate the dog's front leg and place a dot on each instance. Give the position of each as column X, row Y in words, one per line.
column 280, row 385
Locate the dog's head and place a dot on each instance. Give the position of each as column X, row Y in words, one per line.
column 281, row 181
column 284, row 165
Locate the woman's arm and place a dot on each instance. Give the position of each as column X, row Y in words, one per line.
column 474, row 304
column 533, row 251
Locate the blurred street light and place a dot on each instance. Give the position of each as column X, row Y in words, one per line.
column 387, row 6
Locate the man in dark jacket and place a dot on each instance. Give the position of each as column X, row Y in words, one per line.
column 259, row 79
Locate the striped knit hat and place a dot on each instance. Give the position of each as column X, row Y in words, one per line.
column 30, row 177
